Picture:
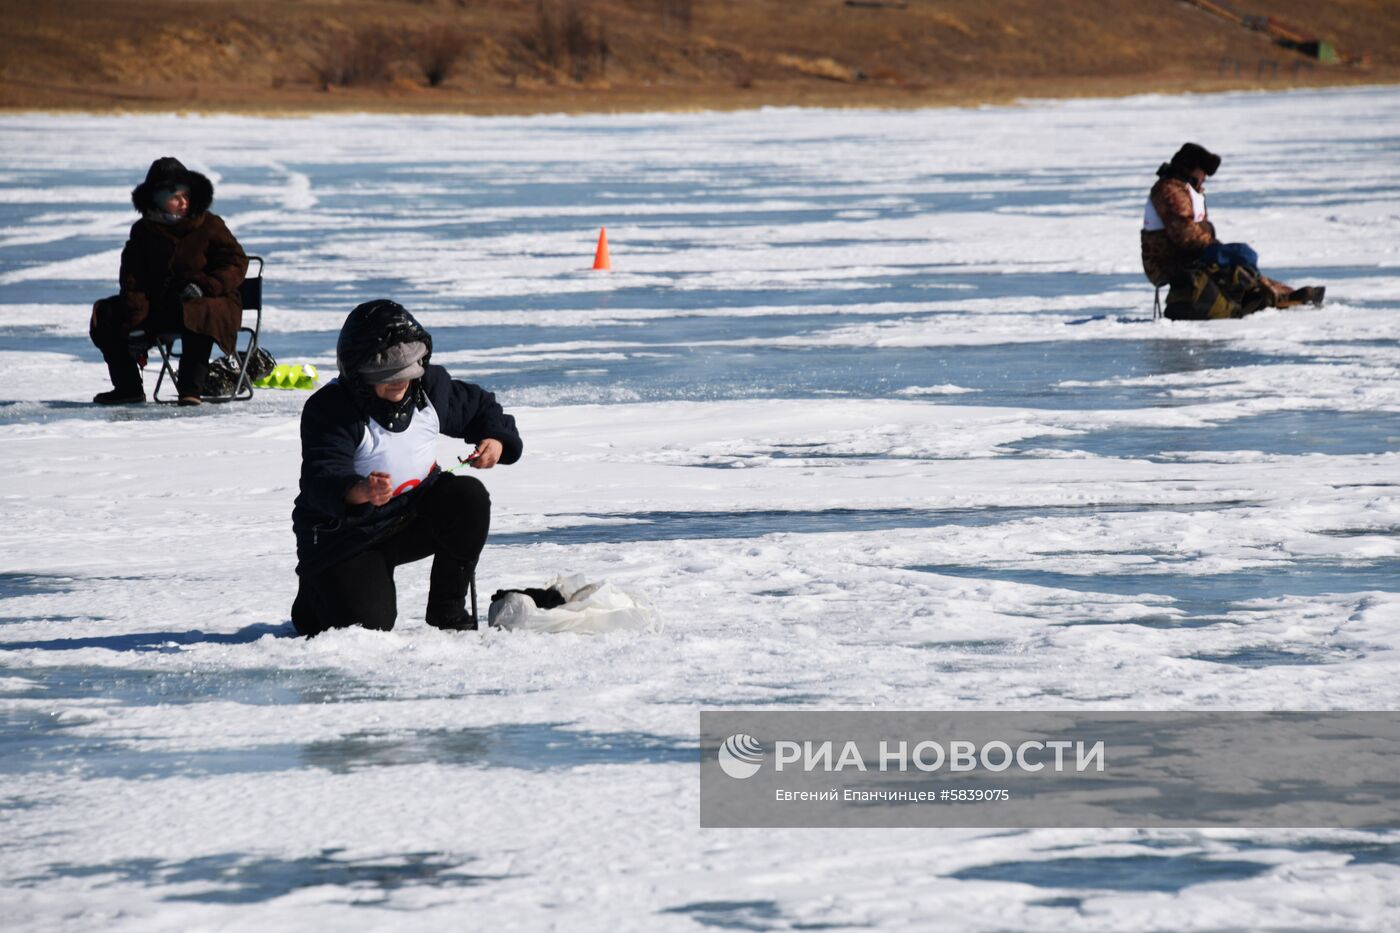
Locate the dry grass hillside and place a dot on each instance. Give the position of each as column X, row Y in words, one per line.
column 493, row 56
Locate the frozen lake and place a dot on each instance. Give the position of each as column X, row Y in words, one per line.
column 872, row 406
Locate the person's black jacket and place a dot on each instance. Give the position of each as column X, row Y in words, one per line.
column 328, row 529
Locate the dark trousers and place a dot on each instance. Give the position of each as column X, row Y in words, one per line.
column 112, row 335
column 450, row 524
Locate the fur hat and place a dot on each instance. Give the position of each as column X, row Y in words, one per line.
column 166, row 175
column 1193, row 156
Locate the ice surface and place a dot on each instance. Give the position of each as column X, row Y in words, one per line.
column 872, row 407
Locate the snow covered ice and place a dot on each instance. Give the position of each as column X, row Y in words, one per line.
column 872, row 407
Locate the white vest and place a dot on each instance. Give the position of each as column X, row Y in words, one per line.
column 1150, row 220
column 408, row 456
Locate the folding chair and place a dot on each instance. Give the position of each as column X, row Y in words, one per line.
column 251, row 291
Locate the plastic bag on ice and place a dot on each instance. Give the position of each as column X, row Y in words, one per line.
column 589, row 609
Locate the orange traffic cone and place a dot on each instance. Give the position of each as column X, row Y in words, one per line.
column 601, row 259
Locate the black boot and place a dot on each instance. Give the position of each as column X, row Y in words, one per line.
column 111, row 334
column 460, row 621
column 125, row 375
column 1310, row 295
column 194, row 366
column 120, row 397
column 447, row 596
column 461, row 518
column 305, row 618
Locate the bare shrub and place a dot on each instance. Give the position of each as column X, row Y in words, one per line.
column 585, row 42
column 565, row 35
column 546, row 39
column 745, row 76
column 437, row 53
column 677, row 14
column 361, row 58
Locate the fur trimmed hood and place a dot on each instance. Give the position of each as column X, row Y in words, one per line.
column 166, row 173
column 1188, row 158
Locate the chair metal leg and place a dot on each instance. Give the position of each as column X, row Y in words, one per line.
column 167, row 353
column 243, row 390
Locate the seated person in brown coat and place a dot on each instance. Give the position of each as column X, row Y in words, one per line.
column 180, row 273
column 1177, row 232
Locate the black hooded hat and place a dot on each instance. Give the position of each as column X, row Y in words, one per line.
column 166, row 174
column 1192, row 156
column 370, row 331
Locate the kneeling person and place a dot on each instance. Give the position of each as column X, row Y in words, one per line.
column 372, row 496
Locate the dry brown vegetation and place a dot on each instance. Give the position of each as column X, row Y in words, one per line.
column 565, row 40
column 361, row 58
column 437, row 53
column 530, row 55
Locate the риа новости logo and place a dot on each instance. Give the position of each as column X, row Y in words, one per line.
column 741, row 756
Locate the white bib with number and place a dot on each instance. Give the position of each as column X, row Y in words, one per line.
column 408, row 456
column 1151, row 221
